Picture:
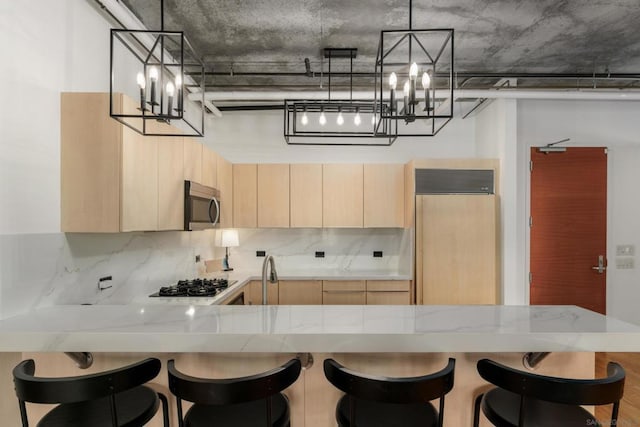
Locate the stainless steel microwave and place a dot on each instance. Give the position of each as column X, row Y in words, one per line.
column 201, row 206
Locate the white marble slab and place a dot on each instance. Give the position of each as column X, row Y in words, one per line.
column 157, row 328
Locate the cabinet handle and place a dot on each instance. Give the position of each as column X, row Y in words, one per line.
column 214, row 201
column 388, row 292
column 343, row 292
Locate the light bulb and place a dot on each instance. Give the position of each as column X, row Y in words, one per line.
column 413, row 71
column 356, row 119
column 153, row 73
column 340, row 119
column 323, row 119
column 393, row 80
column 304, row 120
column 171, row 89
column 141, row 80
column 407, row 87
column 426, row 80
column 178, row 81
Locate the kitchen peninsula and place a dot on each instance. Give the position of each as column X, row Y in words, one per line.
column 392, row 340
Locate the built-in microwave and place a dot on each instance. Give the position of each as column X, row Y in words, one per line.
column 201, row 206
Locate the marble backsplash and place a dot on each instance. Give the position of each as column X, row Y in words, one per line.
column 50, row 269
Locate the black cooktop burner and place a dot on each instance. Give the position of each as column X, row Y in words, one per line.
column 193, row 288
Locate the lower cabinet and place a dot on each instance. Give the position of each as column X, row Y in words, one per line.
column 388, row 292
column 300, row 292
column 253, row 293
column 344, row 292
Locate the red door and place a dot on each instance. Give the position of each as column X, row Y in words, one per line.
column 569, row 227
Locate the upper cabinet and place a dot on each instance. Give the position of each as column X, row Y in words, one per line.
column 383, row 195
column 273, row 195
column 109, row 173
column 342, row 195
column 224, row 172
column 209, row 167
column 245, row 195
column 170, row 183
column 192, row 160
column 305, row 195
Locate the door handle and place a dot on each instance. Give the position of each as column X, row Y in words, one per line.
column 600, row 267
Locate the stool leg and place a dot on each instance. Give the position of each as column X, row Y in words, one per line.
column 165, row 409
column 476, row 410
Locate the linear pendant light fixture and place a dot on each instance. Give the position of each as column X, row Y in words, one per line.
column 410, row 64
column 151, row 70
column 336, row 122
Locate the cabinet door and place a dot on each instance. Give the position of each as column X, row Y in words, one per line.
column 388, row 292
column 253, row 293
column 456, row 249
column 90, row 153
column 342, row 195
column 139, row 193
column 192, row 160
column 209, row 167
column 273, row 195
column 305, row 190
column 225, row 185
column 343, row 292
column 300, row 292
column 245, row 195
column 170, row 183
column 383, row 195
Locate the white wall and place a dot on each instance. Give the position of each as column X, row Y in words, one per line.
column 258, row 137
column 596, row 123
column 47, row 47
column 496, row 137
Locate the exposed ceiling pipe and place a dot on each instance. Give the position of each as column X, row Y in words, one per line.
column 511, row 93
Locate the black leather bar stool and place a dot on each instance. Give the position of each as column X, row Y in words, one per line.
column 249, row 401
column 526, row 399
column 115, row 398
column 383, row 401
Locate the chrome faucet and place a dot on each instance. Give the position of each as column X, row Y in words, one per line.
column 273, row 276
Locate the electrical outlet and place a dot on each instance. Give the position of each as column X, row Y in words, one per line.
column 377, row 254
column 197, row 259
column 624, row 263
column 261, row 253
column 319, row 254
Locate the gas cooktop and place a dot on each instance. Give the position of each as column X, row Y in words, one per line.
column 194, row 288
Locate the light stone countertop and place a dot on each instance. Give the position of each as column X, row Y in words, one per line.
column 179, row 328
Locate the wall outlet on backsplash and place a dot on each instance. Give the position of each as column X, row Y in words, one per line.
column 319, row 254
column 261, row 253
column 197, row 259
column 377, row 254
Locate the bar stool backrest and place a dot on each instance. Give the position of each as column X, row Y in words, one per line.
column 208, row 391
column 391, row 390
column 80, row 388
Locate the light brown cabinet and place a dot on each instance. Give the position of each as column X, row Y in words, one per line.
column 170, row 183
column 253, row 293
column 273, row 195
column 192, row 160
column 383, row 195
column 224, row 171
column 109, row 173
column 456, row 252
column 342, row 195
column 344, row 292
column 305, row 192
column 245, row 195
column 300, row 292
column 388, row 292
column 209, row 167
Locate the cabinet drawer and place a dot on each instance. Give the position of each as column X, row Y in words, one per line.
column 388, row 285
column 388, row 298
column 343, row 285
column 343, row 297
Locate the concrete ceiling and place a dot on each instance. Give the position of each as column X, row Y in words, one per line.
column 569, row 39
